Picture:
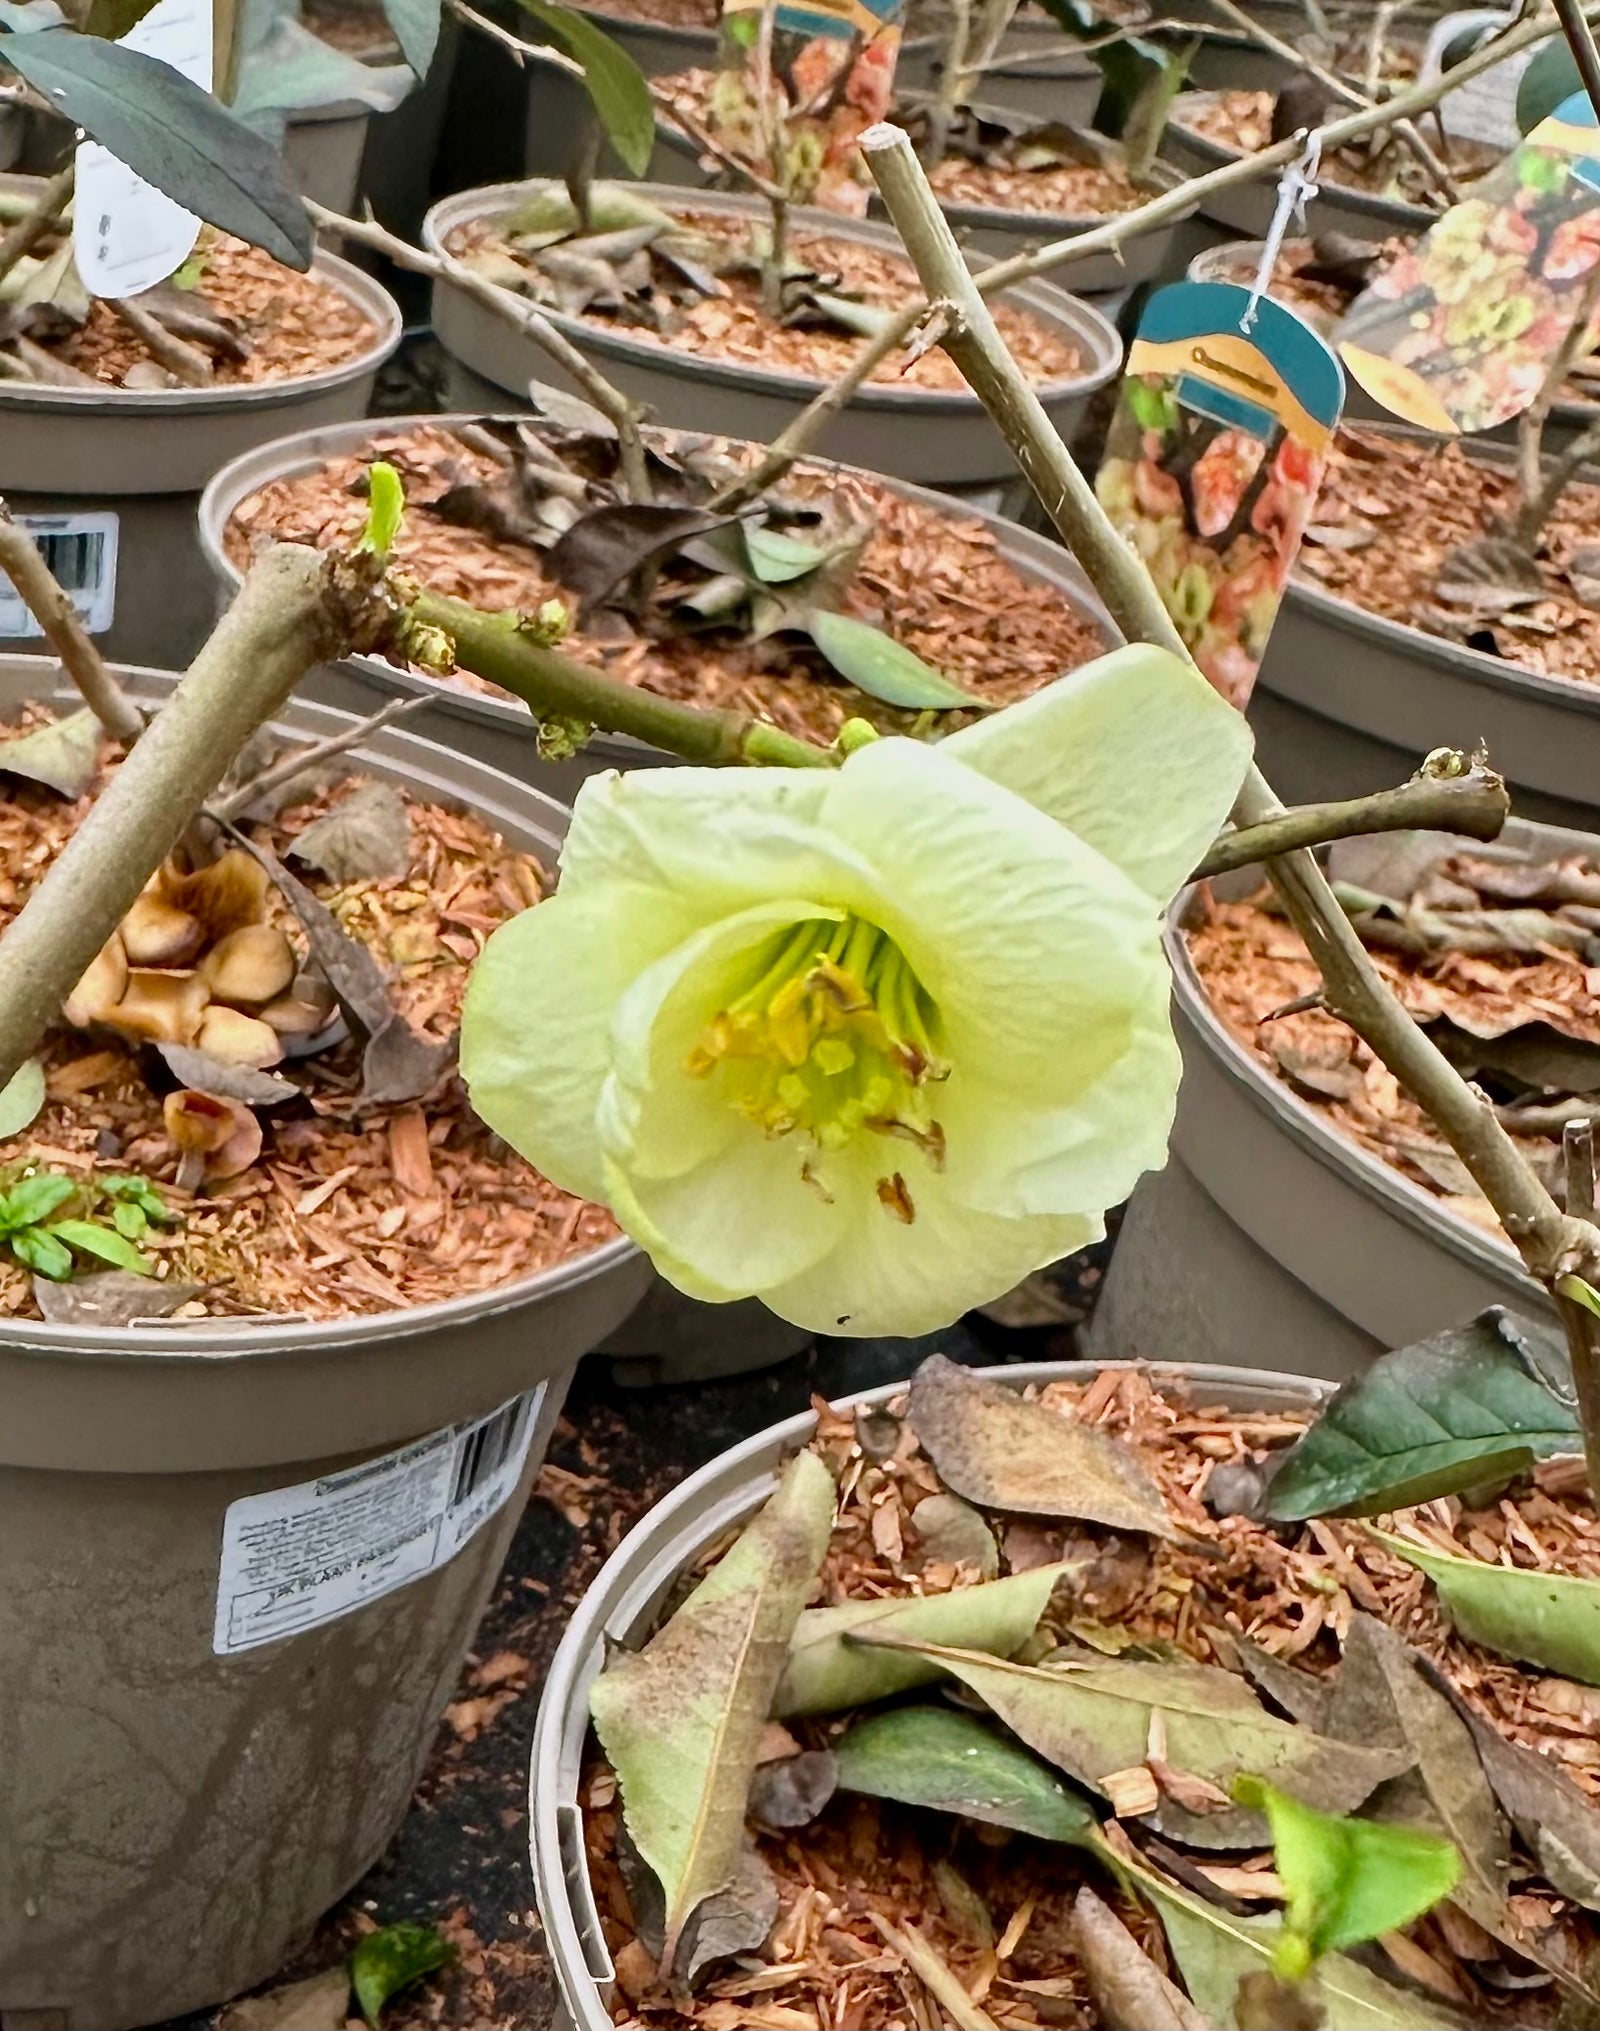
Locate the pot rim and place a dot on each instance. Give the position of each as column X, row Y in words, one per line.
column 1477, row 666
column 1490, row 1255
column 653, row 1552
column 395, row 752
column 1040, row 559
column 1053, row 306
column 352, row 283
column 1394, row 210
column 1158, row 179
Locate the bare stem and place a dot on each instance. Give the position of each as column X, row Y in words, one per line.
column 1549, row 1243
column 298, row 607
column 526, row 317
column 1472, row 802
column 1541, row 487
column 555, row 687
column 39, row 220
column 1580, row 40
column 22, row 562
column 185, row 362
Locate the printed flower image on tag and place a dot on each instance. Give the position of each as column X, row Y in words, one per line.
column 1213, row 462
column 1458, row 333
column 796, row 112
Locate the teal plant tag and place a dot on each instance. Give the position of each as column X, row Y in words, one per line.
column 1458, row 332
column 1213, row 461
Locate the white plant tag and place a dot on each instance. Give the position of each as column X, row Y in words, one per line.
column 126, row 235
column 81, row 551
column 295, row 1558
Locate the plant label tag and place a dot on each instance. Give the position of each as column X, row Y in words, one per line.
column 796, row 111
column 1213, row 461
column 81, row 551
column 295, row 1558
column 1458, row 332
column 126, row 235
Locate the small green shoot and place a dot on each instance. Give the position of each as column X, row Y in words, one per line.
column 103, row 1221
column 1347, row 1881
column 391, row 1959
column 1580, row 1293
column 386, row 507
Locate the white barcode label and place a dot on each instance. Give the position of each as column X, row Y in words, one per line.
column 295, row 1558
column 81, row 551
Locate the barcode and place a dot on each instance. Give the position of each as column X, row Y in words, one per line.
column 81, row 554
column 75, row 561
column 488, row 1446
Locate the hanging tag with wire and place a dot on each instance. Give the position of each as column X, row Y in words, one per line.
column 1296, row 188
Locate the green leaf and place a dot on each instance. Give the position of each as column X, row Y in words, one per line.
column 1581, row 1293
column 615, row 82
column 1092, row 1720
column 171, row 133
column 103, row 1243
column 1349, row 1880
column 38, row 1249
column 35, row 1199
column 391, row 1959
column 130, row 1221
column 416, row 29
column 681, row 1720
column 138, row 1192
column 776, row 558
column 386, row 507
column 826, row 1672
column 1550, row 79
column 63, row 754
column 951, row 1762
column 1464, row 1407
column 1548, row 1619
column 21, row 1098
column 285, row 69
column 883, row 668
column 1215, row 1951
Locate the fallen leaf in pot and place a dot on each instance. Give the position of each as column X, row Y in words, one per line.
column 21, row 1098
column 112, row 1297
column 215, row 1138
column 62, row 755
column 1559, row 1823
column 1094, row 1720
column 1548, row 1619
column 365, row 837
column 995, row 1448
column 391, row 1959
column 952, row 1532
column 734, row 1921
column 681, row 1721
column 319, row 2003
column 1489, row 577
column 1130, row 1992
column 604, row 549
column 792, row 1790
column 255, row 1088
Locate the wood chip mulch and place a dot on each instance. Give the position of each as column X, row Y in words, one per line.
column 401, row 1206
column 995, row 1910
column 1242, row 123
column 294, row 324
column 1392, row 509
column 733, row 327
column 933, row 579
column 1067, row 190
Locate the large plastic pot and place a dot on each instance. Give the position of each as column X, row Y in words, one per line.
column 174, row 1820
column 1347, row 702
column 127, row 466
column 1270, row 1233
column 1248, row 207
column 626, row 1599
column 932, row 436
column 1038, row 72
column 494, row 729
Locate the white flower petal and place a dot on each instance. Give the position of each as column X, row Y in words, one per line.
column 1135, row 752
column 535, row 1027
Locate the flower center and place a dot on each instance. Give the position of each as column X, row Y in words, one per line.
column 834, row 1038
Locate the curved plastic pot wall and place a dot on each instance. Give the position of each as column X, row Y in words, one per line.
column 322, row 151
column 1270, row 1234
column 498, row 730
column 1348, row 702
column 911, row 434
column 1038, row 73
column 628, row 1595
column 172, row 1821
column 1248, row 207
column 141, row 458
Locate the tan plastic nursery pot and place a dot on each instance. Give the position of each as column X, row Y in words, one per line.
column 498, row 730
column 195, row 1769
column 122, row 469
column 1348, row 701
column 930, row 436
column 1270, row 1235
column 626, row 1599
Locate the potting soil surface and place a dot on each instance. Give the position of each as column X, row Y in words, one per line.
column 1007, row 182
column 1242, row 121
column 1391, row 512
column 732, row 326
column 933, row 580
column 339, row 1214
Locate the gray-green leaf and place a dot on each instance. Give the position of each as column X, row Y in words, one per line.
column 365, row 837
column 613, row 80
column 777, row 558
column 21, row 1098
column 681, row 1720
column 952, row 1762
column 416, row 29
column 1558, row 1823
column 826, row 1672
column 884, row 668
column 1448, row 1413
column 1548, row 1619
column 63, row 755
column 1092, row 1720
